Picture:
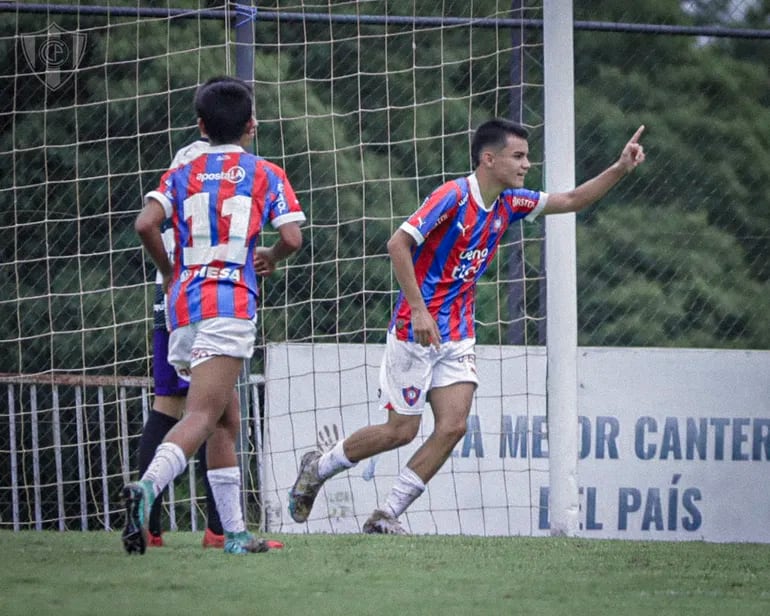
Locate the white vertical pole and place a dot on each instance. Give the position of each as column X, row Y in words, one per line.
column 80, row 421
column 561, row 283
column 36, row 481
column 14, row 461
column 56, row 429
column 103, row 463
column 245, row 38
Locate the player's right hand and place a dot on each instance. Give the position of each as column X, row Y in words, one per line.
column 425, row 329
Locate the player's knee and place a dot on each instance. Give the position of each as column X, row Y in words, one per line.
column 405, row 437
column 451, row 431
column 402, row 434
column 228, row 422
column 200, row 421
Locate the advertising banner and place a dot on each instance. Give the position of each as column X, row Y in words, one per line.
column 673, row 444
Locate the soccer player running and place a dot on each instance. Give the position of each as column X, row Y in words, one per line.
column 170, row 391
column 438, row 254
column 218, row 204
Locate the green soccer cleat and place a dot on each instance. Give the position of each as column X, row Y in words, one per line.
column 138, row 498
column 306, row 487
column 244, row 543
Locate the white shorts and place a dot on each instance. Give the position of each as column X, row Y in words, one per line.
column 409, row 371
column 193, row 344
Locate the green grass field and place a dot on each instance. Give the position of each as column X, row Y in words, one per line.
column 88, row 573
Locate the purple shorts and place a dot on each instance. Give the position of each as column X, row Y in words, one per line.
column 167, row 381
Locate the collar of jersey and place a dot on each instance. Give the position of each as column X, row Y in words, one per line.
column 473, row 184
column 224, row 148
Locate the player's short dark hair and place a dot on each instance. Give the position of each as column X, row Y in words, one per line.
column 225, row 104
column 494, row 133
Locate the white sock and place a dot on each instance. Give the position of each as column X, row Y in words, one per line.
column 405, row 491
column 333, row 461
column 226, row 488
column 168, row 463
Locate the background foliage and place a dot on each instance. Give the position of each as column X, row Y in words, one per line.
column 367, row 119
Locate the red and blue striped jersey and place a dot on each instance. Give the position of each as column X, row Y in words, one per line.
column 183, row 156
column 218, row 204
column 457, row 237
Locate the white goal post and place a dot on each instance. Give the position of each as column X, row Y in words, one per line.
column 561, row 281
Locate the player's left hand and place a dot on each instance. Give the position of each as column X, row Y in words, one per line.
column 264, row 265
column 633, row 153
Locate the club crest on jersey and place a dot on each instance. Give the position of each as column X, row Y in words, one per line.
column 411, row 395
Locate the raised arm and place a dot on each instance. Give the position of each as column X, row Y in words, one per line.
column 594, row 189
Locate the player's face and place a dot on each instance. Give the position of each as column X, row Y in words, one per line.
column 511, row 163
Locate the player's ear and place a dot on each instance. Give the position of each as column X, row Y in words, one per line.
column 251, row 127
column 201, row 126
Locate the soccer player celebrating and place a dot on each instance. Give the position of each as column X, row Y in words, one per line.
column 438, row 254
column 218, row 203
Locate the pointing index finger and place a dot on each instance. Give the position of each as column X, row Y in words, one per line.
column 637, row 134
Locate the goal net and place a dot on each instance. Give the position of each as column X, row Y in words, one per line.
column 381, row 113
column 368, row 106
column 95, row 102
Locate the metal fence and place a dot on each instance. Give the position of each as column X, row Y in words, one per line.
column 68, row 445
